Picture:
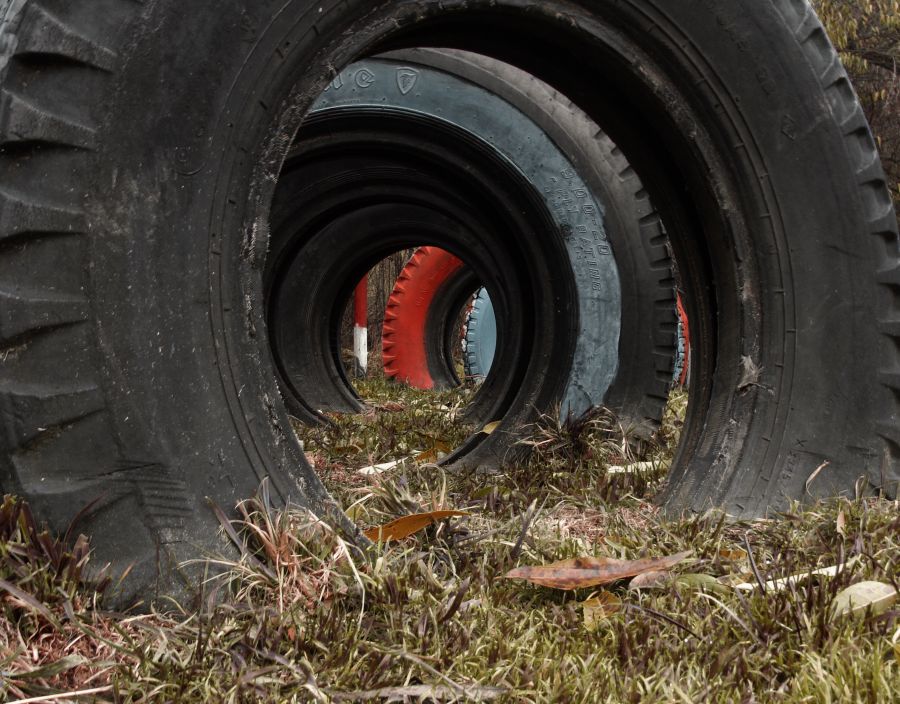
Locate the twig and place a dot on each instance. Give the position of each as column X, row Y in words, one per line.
column 793, row 579
column 759, row 579
column 526, row 523
column 61, row 696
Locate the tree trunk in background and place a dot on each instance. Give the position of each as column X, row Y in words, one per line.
column 380, row 284
column 867, row 36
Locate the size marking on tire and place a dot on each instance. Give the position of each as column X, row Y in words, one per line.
column 573, row 203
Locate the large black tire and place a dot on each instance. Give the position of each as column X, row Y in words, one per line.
column 131, row 375
column 141, row 144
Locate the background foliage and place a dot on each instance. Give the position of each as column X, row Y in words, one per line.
column 867, row 35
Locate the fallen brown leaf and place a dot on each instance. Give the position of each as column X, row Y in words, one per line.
column 403, row 527
column 433, row 454
column 490, row 427
column 581, row 572
column 599, row 608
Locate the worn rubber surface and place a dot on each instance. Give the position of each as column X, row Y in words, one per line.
column 445, row 325
column 134, row 187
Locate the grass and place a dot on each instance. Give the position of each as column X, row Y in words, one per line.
column 431, row 618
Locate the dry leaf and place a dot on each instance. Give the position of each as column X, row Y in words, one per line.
column 862, row 595
column 53, row 669
column 599, row 608
column 438, row 450
column 815, row 473
column 840, row 523
column 733, row 555
column 427, row 456
column 651, row 580
column 733, row 580
column 405, row 526
column 356, row 512
column 582, row 572
column 490, row 427
column 660, row 579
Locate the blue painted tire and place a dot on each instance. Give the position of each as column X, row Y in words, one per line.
column 481, row 337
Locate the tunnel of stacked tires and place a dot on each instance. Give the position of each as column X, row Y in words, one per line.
column 534, row 272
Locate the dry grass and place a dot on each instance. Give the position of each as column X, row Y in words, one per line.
column 298, row 618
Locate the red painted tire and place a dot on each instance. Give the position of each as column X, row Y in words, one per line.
column 684, row 344
column 406, row 331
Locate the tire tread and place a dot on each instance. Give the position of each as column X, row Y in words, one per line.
column 874, row 192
